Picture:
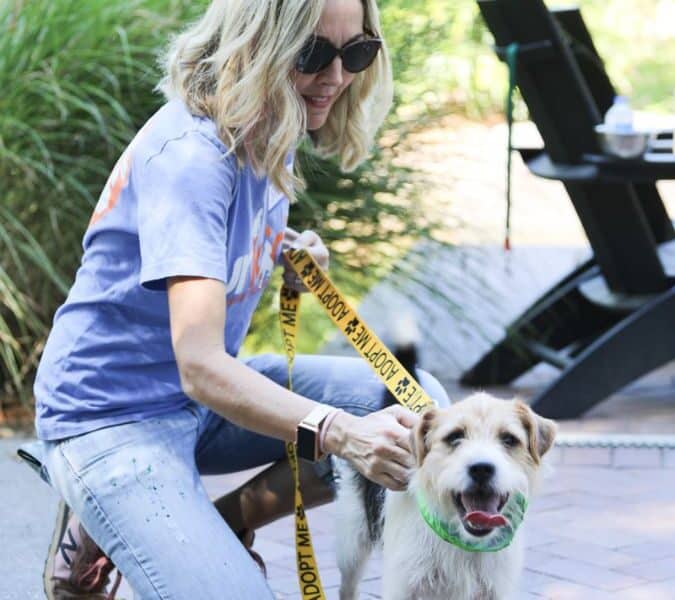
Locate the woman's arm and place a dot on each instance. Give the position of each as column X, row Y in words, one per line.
column 377, row 444
column 214, row 378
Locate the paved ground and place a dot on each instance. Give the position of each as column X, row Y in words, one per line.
column 603, row 527
column 595, row 532
column 604, row 524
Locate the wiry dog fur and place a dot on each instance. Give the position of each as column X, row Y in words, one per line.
column 477, row 452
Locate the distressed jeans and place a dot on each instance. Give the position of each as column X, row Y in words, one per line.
column 136, row 487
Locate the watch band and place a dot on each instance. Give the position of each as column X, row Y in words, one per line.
column 325, row 426
column 307, row 433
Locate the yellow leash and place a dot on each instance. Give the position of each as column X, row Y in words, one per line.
column 396, row 378
column 308, row 572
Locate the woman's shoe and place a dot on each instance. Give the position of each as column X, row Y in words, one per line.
column 76, row 568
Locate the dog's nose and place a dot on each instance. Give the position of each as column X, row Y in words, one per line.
column 482, row 472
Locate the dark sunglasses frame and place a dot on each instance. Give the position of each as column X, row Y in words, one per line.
column 318, row 53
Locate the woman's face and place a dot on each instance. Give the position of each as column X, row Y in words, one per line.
column 341, row 22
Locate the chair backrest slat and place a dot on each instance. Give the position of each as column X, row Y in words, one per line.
column 587, row 57
column 554, row 88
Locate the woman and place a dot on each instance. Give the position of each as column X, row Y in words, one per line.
column 139, row 392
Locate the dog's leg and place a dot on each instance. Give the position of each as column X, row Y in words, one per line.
column 403, row 556
column 352, row 556
column 395, row 586
column 356, row 534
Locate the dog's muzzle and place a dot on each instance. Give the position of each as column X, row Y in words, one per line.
column 511, row 515
column 479, row 509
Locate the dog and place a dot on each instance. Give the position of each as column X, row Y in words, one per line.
column 470, row 458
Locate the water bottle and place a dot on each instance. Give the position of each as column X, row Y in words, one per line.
column 619, row 118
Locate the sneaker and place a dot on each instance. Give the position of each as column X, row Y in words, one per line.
column 76, row 568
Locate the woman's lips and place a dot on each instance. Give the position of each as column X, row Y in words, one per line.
column 319, row 102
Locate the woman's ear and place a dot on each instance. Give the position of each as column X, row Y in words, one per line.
column 418, row 435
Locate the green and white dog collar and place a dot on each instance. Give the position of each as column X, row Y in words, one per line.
column 513, row 511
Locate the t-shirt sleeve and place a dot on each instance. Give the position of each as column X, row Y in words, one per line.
column 184, row 194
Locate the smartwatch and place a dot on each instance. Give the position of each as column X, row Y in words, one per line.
column 307, row 433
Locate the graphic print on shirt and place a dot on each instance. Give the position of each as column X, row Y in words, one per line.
column 113, row 188
column 118, row 180
column 251, row 271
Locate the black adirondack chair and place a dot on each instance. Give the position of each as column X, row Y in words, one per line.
column 611, row 320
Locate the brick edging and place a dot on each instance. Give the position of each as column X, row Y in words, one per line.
column 614, row 450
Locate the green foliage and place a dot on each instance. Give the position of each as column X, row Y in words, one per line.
column 637, row 42
column 440, row 57
column 76, row 80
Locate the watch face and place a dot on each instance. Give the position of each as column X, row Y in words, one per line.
column 306, row 443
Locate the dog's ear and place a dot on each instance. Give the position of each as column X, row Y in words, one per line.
column 540, row 431
column 418, row 435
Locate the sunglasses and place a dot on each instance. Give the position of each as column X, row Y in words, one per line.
column 318, row 53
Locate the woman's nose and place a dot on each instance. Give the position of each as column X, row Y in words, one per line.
column 332, row 74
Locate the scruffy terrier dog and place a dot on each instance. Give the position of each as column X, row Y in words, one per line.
column 471, row 459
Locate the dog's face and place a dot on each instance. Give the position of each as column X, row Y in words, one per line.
column 474, row 455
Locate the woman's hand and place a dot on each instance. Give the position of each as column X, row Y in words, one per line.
column 378, row 445
column 311, row 242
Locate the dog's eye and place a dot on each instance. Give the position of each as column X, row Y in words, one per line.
column 454, row 437
column 509, row 440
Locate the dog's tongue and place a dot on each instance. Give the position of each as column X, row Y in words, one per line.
column 483, row 513
column 483, row 520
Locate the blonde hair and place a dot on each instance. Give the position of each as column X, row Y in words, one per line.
column 234, row 66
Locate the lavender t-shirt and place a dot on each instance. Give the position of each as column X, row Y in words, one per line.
column 172, row 206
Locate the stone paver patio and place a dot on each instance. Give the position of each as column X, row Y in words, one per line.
column 602, row 527
column 595, row 532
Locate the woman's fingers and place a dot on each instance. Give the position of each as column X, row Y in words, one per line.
column 406, row 421
column 397, row 473
column 405, row 417
column 321, row 256
column 310, row 241
column 307, row 239
column 389, row 466
column 391, row 483
column 378, row 446
column 393, row 461
column 291, row 234
column 397, row 455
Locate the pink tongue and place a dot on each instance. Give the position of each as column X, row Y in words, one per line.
column 485, row 520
